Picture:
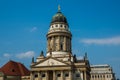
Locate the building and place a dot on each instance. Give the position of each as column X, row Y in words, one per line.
column 14, row 71
column 59, row 62
column 102, row 72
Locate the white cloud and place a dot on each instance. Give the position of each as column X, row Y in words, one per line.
column 33, row 29
column 102, row 41
column 6, row 55
column 28, row 54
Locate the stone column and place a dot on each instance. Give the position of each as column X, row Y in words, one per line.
column 81, row 74
column 70, row 46
column 66, row 44
column 62, row 75
column 58, row 43
column 53, row 38
column 31, row 76
column 51, row 43
column 84, row 75
column 54, row 76
column 48, row 43
column 70, row 75
column 39, row 76
column 47, row 78
column 65, row 47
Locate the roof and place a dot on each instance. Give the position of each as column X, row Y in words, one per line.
column 13, row 68
column 59, row 17
column 100, row 66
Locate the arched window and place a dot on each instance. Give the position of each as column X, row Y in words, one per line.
column 43, row 75
column 77, row 75
column 61, row 46
column 67, row 75
column 56, row 25
column 65, row 26
column 36, row 75
column 61, row 26
column 59, row 75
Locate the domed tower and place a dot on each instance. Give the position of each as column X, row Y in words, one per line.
column 59, row 36
column 59, row 62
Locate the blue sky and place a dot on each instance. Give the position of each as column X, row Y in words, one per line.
column 95, row 26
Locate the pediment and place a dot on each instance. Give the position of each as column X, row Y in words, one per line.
column 50, row 62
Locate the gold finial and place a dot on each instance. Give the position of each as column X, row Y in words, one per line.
column 59, row 8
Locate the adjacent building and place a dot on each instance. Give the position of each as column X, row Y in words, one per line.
column 59, row 62
column 102, row 72
column 14, row 71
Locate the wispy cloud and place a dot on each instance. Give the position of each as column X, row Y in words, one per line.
column 7, row 55
column 33, row 29
column 102, row 41
column 28, row 54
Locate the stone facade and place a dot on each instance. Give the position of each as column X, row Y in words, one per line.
column 55, row 69
column 59, row 62
column 102, row 72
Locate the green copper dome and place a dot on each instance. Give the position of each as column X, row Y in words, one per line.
column 59, row 17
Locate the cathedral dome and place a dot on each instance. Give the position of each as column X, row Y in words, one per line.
column 59, row 17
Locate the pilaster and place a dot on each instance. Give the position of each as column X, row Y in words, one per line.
column 70, row 73
column 54, row 75
column 31, row 76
